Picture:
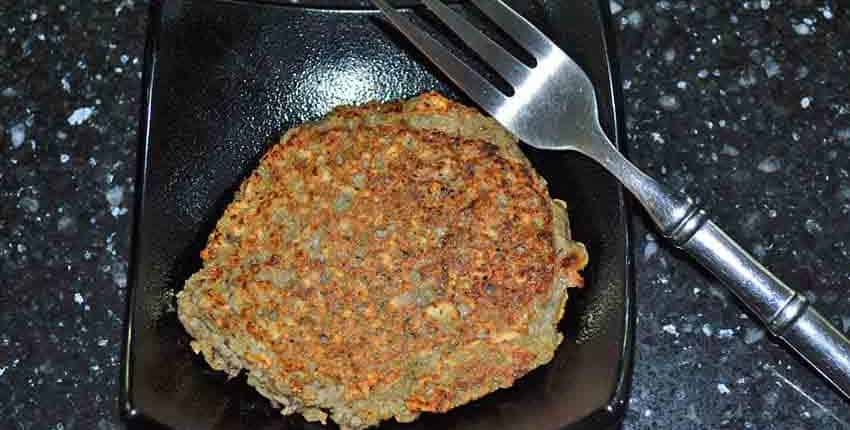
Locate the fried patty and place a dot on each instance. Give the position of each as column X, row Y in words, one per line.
column 389, row 260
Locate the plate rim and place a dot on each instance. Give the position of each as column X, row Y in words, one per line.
column 609, row 415
column 614, row 411
column 127, row 408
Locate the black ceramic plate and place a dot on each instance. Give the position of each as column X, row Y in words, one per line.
column 223, row 80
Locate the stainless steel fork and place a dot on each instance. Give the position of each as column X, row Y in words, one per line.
column 554, row 107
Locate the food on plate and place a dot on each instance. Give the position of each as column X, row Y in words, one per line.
column 388, row 260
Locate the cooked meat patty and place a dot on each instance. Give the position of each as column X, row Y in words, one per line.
column 389, row 260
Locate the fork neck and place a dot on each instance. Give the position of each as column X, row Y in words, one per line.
column 678, row 217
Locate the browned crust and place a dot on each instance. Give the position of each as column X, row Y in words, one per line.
column 390, row 260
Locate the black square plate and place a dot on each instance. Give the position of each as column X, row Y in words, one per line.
column 223, row 80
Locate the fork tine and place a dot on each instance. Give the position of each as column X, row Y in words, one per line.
column 502, row 61
column 473, row 84
column 519, row 28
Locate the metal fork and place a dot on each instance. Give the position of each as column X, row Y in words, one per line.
column 554, row 107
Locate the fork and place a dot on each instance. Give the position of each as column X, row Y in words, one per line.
column 553, row 107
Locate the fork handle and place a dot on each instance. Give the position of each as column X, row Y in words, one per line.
column 786, row 313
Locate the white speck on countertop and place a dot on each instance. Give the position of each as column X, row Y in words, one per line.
column 63, row 158
column 805, row 102
column 647, row 413
column 656, row 137
column 18, row 134
column 66, row 86
column 702, row 74
column 634, row 19
column 78, row 298
column 771, row 67
column 102, row 342
column 707, row 330
column 723, row 389
column 115, row 195
column 65, row 223
column 669, row 102
column 765, row 4
column 747, row 79
column 80, row 115
column 813, row 227
column 753, row 335
column 770, row 164
column 650, row 248
column 122, row 5
column 729, row 150
column 725, row 333
column 696, row 290
column 802, row 29
column 681, row 85
column 119, row 274
column 671, row 329
column 29, row 204
column 845, row 324
column 615, row 7
column 826, row 12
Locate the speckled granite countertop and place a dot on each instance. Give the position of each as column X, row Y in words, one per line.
column 746, row 104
